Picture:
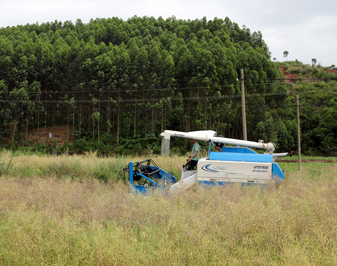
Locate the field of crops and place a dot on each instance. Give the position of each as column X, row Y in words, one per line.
column 77, row 210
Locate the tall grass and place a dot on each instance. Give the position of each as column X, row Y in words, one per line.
column 78, row 167
column 68, row 221
column 74, row 167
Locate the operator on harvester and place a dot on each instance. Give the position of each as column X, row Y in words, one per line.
column 192, row 160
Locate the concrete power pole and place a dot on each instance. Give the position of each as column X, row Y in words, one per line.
column 243, row 99
column 299, row 135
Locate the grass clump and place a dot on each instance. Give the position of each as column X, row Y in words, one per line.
column 6, row 167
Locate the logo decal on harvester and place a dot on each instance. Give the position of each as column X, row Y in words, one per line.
column 219, row 167
column 260, row 169
column 215, row 169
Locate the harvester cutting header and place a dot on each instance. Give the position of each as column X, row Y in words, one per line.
column 232, row 164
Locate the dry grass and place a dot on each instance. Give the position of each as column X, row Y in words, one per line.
column 75, row 167
column 81, row 166
column 61, row 221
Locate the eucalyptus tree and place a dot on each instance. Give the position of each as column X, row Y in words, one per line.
column 285, row 54
column 122, row 63
column 103, row 71
column 139, row 69
column 15, row 103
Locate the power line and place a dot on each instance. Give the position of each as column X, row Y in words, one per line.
column 173, row 88
column 194, row 98
column 230, row 84
column 141, row 110
column 165, row 99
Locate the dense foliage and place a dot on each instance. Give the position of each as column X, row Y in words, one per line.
column 117, row 82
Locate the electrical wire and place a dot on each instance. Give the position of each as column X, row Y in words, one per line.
column 157, row 100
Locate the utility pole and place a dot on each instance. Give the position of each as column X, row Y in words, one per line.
column 299, row 135
column 243, row 99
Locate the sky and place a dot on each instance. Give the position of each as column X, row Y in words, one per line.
column 306, row 29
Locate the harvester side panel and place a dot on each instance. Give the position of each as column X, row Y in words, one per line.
column 241, row 157
column 233, row 171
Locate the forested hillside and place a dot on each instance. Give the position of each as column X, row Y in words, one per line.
column 117, row 84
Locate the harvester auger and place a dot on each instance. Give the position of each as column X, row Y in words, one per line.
column 230, row 165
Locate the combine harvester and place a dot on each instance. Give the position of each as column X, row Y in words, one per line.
column 232, row 164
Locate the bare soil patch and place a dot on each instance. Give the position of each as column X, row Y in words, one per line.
column 331, row 71
column 289, row 77
column 59, row 133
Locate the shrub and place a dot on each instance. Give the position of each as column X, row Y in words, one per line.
column 176, row 151
column 295, row 71
column 137, row 148
column 300, row 78
column 120, row 150
column 40, row 147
